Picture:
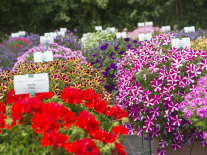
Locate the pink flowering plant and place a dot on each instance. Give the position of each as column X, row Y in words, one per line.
column 152, row 82
column 195, row 105
column 59, row 53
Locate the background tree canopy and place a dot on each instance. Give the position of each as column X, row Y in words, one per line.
column 39, row 16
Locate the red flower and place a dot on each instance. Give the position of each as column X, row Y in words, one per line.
column 56, row 139
column 68, row 119
column 85, row 147
column 91, row 98
column 104, row 136
column 100, row 106
column 72, row 95
column 43, row 122
column 117, row 130
column 2, row 108
column 120, row 149
column 2, row 121
column 87, row 122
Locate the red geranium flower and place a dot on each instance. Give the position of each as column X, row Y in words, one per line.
column 72, row 95
column 117, row 130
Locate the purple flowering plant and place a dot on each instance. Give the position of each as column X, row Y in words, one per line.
column 152, row 82
column 59, row 53
column 195, row 104
column 193, row 35
column 107, row 54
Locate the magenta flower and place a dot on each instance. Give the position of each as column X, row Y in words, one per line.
column 154, row 111
column 172, row 79
column 143, row 109
column 146, row 93
column 168, row 96
column 139, row 131
column 173, row 106
column 149, row 102
column 154, row 132
column 196, row 71
column 163, row 143
column 176, row 144
column 149, row 121
column 167, row 115
column 178, row 135
column 160, row 151
column 136, row 117
column 203, row 143
column 155, row 99
column 203, row 64
column 147, row 128
column 162, row 73
column 169, row 127
column 130, row 129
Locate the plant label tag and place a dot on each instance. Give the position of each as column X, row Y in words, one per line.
column 23, row 84
column 165, row 28
column 44, row 39
column 61, row 33
column 63, row 29
column 140, row 24
column 181, row 43
column 189, row 29
column 149, row 23
column 22, row 33
column 123, row 35
column 39, row 56
column 143, row 37
column 112, row 29
column 14, row 35
column 98, row 28
column 118, row 35
column 46, row 34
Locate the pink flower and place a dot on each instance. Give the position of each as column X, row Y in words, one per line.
column 203, row 64
column 149, row 102
column 178, row 135
column 203, row 143
column 169, row 127
column 163, row 143
column 155, row 99
column 167, row 115
column 160, row 151
column 154, row 112
column 173, row 106
column 139, row 131
column 176, row 144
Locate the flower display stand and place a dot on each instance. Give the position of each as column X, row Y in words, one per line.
column 197, row 149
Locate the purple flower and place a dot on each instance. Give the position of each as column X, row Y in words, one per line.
column 112, row 65
column 163, row 143
column 75, row 30
column 116, row 48
column 127, row 39
column 104, row 47
column 107, row 69
column 112, row 87
column 128, row 46
column 112, row 75
column 104, row 73
column 122, row 52
column 115, row 38
column 134, row 41
column 106, row 86
column 178, row 135
column 130, row 129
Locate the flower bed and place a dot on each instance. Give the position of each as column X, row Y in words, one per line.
column 71, row 127
column 152, row 81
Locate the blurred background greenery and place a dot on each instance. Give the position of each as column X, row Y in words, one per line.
column 40, row 16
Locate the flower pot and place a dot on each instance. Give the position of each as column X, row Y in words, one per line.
column 197, row 149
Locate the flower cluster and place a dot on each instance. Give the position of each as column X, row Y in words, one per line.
column 192, row 35
column 194, row 106
column 199, row 44
column 18, row 42
column 59, row 53
column 107, row 54
column 152, row 81
column 62, row 74
column 145, row 29
column 91, row 40
column 48, row 119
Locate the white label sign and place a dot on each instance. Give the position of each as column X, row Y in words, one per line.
column 183, row 42
column 98, row 28
column 112, row 29
column 165, row 28
column 189, row 29
column 145, row 36
column 14, row 35
column 22, row 33
column 39, row 56
column 61, row 33
column 121, row 35
column 140, row 24
column 63, row 29
column 148, row 23
column 44, row 39
column 23, row 83
column 51, row 34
